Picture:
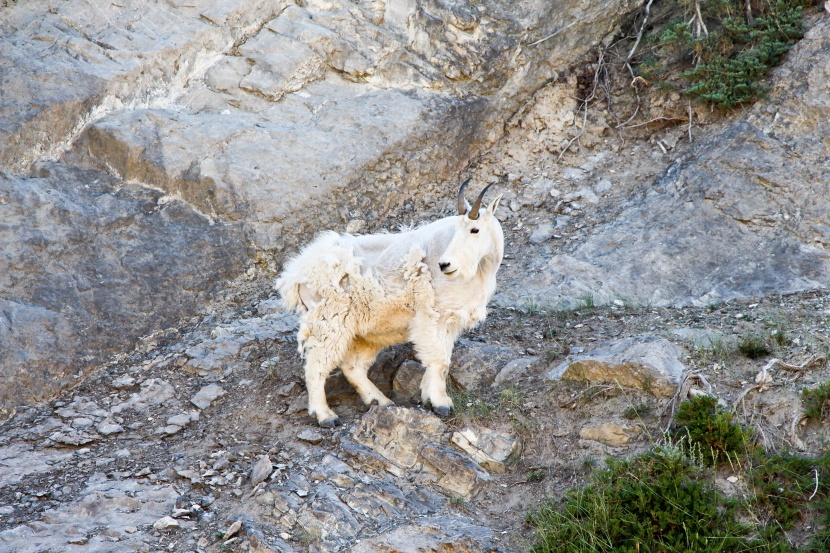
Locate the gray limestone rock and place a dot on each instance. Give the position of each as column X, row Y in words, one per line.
column 476, row 364
column 413, row 440
column 261, row 470
column 451, row 534
column 406, row 386
column 207, row 395
column 513, row 369
column 89, row 264
column 105, row 509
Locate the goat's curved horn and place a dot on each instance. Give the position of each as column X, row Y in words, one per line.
column 474, row 211
column 462, row 204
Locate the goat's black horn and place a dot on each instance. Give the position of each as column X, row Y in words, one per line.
column 476, row 206
column 462, row 204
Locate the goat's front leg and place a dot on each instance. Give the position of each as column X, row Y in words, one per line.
column 317, row 369
column 433, row 346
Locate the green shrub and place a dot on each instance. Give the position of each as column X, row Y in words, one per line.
column 816, row 402
column 655, row 502
column 753, row 346
column 726, row 67
column 711, row 428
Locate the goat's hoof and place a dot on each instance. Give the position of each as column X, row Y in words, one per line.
column 330, row 423
column 443, row 411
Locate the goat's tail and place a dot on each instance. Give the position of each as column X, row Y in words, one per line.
column 290, row 294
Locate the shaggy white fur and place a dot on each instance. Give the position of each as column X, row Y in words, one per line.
column 360, row 294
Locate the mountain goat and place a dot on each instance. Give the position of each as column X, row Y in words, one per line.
column 359, row 294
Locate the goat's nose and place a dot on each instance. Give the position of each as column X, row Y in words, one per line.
column 443, row 265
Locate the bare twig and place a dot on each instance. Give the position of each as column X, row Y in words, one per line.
column 816, row 488
column 639, row 33
column 588, row 393
column 585, row 102
column 815, row 360
column 690, row 120
column 743, row 394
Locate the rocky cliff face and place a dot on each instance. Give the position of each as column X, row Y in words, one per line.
column 150, row 150
column 739, row 212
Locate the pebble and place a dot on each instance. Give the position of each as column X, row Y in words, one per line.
column 123, row 382
column 168, row 430
column 311, row 436
column 603, row 186
column 542, row 233
column 166, row 522
column 179, row 420
column 107, row 428
column 82, row 423
column 233, row 529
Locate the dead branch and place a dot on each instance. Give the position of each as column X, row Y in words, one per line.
column 700, row 26
column 584, row 106
column 639, row 33
column 690, row 121
column 650, row 121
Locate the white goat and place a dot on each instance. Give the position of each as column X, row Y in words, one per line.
column 359, row 294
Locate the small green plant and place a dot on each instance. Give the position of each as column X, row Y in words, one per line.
column 717, row 350
column 639, row 411
column 469, row 405
column 510, row 398
column 783, row 483
column 753, row 346
column 816, row 402
column 705, row 423
column 588, row 462
column 531, row 307
column 536, row 474
column 667, row 500
column 587, row 301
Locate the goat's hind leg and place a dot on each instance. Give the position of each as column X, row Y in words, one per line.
column 355, row 367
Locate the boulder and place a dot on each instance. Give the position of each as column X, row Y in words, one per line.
column 646, row 362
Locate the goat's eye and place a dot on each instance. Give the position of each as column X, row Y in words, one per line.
column 473, row 231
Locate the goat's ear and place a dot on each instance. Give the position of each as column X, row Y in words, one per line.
column 495, row 204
